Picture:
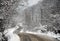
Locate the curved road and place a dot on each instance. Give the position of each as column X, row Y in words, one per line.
column 32, row 37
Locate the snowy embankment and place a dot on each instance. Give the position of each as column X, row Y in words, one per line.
column 14, row 37
column 39, row 32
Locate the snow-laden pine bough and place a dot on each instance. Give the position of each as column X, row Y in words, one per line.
column 9, row 33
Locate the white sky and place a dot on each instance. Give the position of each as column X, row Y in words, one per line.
column 25, row 4
column 33, row 2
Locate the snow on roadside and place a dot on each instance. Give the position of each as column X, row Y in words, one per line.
column 11, row 36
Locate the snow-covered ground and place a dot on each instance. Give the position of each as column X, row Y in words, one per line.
column 14, row 37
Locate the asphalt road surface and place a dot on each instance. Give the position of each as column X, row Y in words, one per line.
column 32, row 37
